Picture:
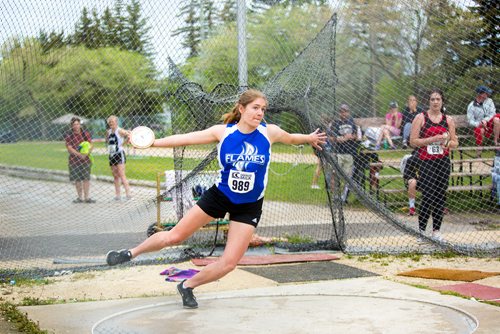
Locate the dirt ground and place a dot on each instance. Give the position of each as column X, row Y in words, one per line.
column 142, row 281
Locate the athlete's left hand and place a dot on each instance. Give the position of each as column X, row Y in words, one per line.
column 128, row 136
column 317, row 138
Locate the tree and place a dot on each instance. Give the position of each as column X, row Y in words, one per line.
column 93, row 83
column 373, row 27
column 128, row 32
column 413, row 39
column 488, row 35
column 191, row 30
column 51, row 41
column 228, row 12
column 217, row 62
column 208, row 18
column 406, row 48
column 82, row 35
column 119, row 29
column 109, row 26
column 96, row 39
column 448, row 56
column 200, row 21
column 18, row 89
column 136, row 30
column 451, row 60
column 104, row 81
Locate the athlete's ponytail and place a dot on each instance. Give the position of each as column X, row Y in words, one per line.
column 246, row 97
column 233, row 116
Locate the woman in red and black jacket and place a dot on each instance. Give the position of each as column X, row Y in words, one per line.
column 433, row 133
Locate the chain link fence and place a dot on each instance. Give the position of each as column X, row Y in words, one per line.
column 173, row 66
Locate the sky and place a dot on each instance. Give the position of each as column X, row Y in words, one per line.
column 27, row 17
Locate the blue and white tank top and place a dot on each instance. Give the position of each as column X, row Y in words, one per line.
column 115, row 142
column 244, row 161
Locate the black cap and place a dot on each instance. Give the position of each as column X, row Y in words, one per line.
column 393, row 104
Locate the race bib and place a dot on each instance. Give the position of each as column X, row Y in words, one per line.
column 241, row 182
column 112, row 149
column 435, row 149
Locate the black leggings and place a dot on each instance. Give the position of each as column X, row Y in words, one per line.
column 433, row 182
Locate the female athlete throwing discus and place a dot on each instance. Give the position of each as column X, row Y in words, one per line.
column 244, row 153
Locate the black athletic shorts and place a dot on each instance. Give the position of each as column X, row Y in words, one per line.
column 215, row 204
column 117, row 158
column 411, row 170
column 407, row 185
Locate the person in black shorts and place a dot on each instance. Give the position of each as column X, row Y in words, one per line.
column 244, row 153
column 433, row 135
column 116, row 137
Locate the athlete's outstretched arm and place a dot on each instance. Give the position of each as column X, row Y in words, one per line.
column 207, row 136
column 278, row 135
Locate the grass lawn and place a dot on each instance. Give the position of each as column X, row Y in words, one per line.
column 287, row 182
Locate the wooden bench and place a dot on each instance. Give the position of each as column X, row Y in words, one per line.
column 450, row 188
column 464, row 131
column 452, row 175
column 394, row 164
column 366, row 122
column 463, row 161
column 383, row 193
column 470, row 176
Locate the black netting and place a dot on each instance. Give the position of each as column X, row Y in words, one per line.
column 173, row 66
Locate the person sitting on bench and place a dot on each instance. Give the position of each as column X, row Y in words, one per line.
column 392, row 126
column 482, row 115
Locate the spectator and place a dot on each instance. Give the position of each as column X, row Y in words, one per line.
column 481, row 114
column 433, row 134
column 345, row 135
column 115, row 138
column 412, row 108
column 392, row 126
column 79, row 145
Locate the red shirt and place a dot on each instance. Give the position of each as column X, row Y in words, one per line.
column 431, row 129
column 73, row 140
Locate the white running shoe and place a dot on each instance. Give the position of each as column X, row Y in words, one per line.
column 420, row 238
column 437, row 235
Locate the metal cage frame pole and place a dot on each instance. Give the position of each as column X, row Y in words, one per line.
column 242, row 46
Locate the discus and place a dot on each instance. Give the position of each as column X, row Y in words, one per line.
column 142, row 137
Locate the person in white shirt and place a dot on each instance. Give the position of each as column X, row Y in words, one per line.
column 482, row 115
column 115, row 138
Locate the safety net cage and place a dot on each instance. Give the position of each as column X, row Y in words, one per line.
column 379, row 77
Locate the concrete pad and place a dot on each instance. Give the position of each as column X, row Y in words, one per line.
column 362, row 305
column 291, row 314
